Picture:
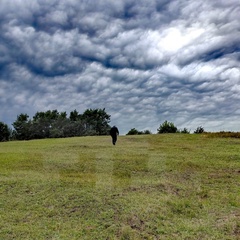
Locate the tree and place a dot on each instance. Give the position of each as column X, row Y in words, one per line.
column 41, row 124
column 74, row 128
column 48, row 124
column 74, row 115
column 133, row 131
column 185, row 130
column 167, row 127
column 54, row 124
column 199, row 130
column 96, row 121
column 57, row 125
column 5, row 132
column 22, row 127
column 147, row 132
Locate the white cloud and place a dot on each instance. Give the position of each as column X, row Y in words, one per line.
column 145, row 62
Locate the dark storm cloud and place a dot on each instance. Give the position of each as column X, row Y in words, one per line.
column 144, row 61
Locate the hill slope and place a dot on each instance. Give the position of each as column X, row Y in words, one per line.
column 171, row 186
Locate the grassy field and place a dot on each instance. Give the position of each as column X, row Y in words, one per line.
column 173, row 186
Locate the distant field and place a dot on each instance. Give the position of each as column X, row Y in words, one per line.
column 173, row 186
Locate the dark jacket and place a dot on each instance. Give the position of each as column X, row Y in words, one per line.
column 114, row 131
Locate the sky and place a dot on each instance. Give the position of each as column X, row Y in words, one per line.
column 144, row 61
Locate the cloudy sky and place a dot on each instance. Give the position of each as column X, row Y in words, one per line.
column 145, row 61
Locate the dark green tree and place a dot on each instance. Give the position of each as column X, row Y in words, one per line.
column 96, row 121
column 133, row 131
column 49, row 124
column 167, row 127
column 185, row 130
column 54, row 124
column 58, row 124
column 74, row 115
column 199, row 130
column 5, row 132
column 22, row 127
column 74, row 128
column 147, row 132
column 41, row 124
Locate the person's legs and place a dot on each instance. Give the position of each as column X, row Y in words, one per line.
column 114, row 139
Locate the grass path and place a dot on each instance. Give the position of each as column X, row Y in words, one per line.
column 173, row 186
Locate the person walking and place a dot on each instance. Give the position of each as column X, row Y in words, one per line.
column 114, row 132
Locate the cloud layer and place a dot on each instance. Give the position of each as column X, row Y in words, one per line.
column 145, row 62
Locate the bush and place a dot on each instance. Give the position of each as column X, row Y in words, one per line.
column 185, row 130
column 134, row 131
column 147, row 132
column 199, row 130
column 167, row 127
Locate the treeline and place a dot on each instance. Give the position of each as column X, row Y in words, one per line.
column 165, row 127
column 169, row 127
column 54, row 124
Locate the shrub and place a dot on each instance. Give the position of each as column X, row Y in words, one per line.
column 133, row 131
column 167, row 127
column 199, row 130
column 147, row 132
column 185, row 130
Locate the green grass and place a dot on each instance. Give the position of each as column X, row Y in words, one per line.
column 173, row 186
